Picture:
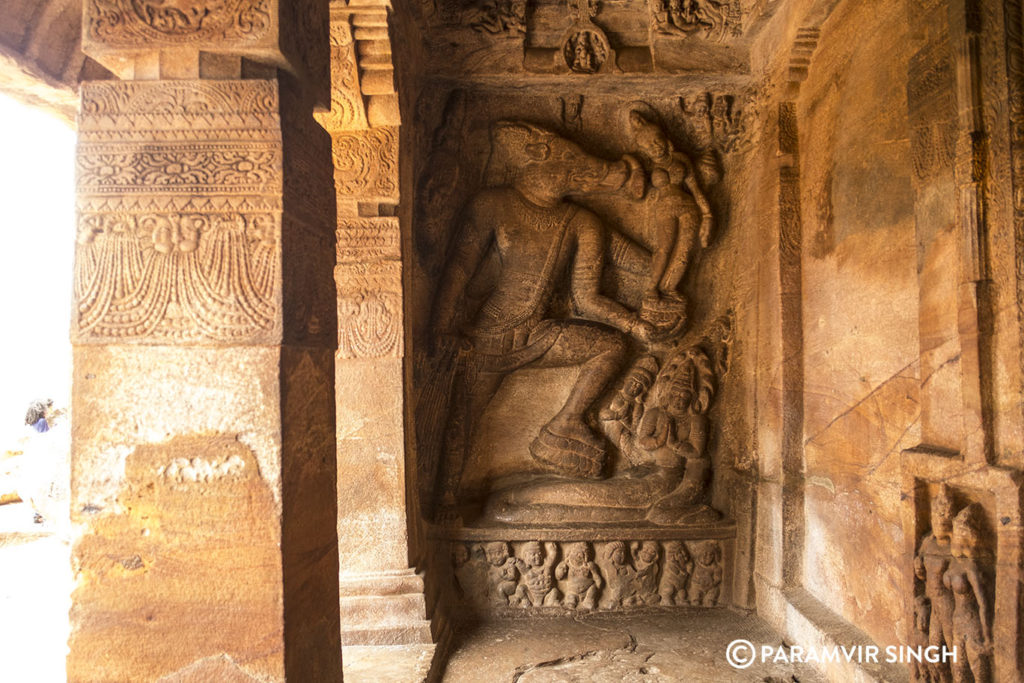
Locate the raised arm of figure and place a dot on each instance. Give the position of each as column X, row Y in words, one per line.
column 706, row 220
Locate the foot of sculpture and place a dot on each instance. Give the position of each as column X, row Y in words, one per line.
column 570, row 449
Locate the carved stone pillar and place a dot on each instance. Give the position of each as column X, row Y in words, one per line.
column 203, row 447
column 382, row 598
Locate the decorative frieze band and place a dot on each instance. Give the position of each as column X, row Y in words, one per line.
column 244, row 110
column 179, row 213
column 127, row 23
column 365, row 240
column 582, row 575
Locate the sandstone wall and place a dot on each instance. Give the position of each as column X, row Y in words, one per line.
column 859, row 263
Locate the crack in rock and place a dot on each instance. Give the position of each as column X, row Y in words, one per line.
column 628, row 664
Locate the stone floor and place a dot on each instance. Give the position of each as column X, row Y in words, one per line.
column 389, row 664
column 35, row 595
column 656, row 647
column 659, row 647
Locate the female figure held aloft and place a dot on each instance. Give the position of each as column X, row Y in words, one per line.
column 678, row 217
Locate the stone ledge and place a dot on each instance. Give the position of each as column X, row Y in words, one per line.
column 813, row 625
column 388, row 608
column 723, row 529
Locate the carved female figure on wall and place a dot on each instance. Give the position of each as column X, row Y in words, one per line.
column 971, row 635
column 930, row 565
column 678, row 218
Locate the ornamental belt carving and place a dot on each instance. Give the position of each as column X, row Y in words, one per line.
column 179, row 212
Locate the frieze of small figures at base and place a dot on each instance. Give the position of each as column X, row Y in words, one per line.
column 582, row 576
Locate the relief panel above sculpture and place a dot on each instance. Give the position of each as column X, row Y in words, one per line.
column 568, row 368
column 179, row 212
column 131, row 22
column 585, row 36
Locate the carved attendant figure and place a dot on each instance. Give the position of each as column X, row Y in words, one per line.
column 535, row 236
column 676, row 574
column 678, row 212
column 669, row 484
column 971, row 634
column 675, row 431
column 539, row 582
column 621, row 587
column 919, row 671
column 706, row 582
column 623, row 415
column 504, row 571
column 583, row 578
column 933, row 558
column 645, row 559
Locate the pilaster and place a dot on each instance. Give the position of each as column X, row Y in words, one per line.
column 382, row 598
column 203, row 461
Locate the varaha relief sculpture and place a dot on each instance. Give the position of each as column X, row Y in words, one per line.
column 536, row 234
column 633, row 451
column 954, row 609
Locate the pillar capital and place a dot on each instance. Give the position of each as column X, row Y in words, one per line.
column 148, row 39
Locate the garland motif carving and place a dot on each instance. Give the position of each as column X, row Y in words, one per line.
column 179, row 212
column 175, row 277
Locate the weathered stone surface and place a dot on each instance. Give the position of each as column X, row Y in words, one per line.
column 199, row 470
column 191, row 508
column 861, row 381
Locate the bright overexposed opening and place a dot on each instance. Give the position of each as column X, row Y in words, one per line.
column 37, row 231
column 36, row 249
